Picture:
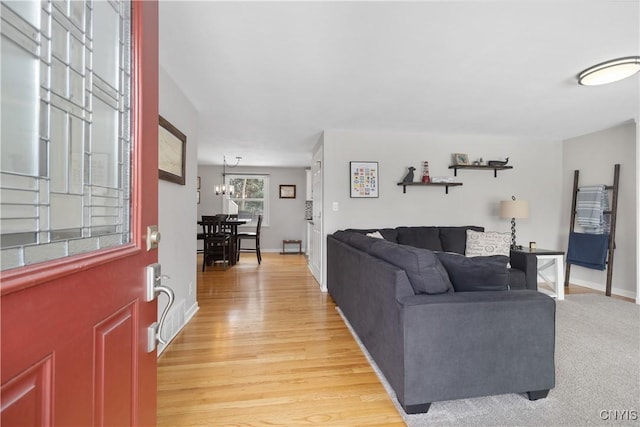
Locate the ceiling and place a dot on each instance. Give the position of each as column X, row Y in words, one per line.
column 267, row 78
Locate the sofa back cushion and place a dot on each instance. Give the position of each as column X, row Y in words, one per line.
column 389, row 234
column 420, row 237
column 454, row 239
column 426, row 273
column 357, row 240
column 483, row 273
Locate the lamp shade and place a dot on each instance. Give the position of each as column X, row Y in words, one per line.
column 514, row 209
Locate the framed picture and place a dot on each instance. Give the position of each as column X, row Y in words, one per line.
column 172, row 145
column 287, row 191
column 198, row 196
column 460, row 159
column 363, row 179
column 198, row 183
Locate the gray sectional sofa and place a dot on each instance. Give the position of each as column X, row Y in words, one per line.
column 441, row 326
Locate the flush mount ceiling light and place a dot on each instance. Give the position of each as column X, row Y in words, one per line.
column 610, row 71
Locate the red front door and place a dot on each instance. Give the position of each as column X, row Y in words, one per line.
column 74, row 330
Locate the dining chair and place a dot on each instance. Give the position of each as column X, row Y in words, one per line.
column 200, row 236
column 251, row 236
column 216, row 241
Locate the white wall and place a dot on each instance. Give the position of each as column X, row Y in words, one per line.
column 177, row 214
column 536, row 177
column 286, row 217
column 595, row 155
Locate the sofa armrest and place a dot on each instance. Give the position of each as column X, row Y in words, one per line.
column 470, row 344
column 367, row 290
column 529, row 264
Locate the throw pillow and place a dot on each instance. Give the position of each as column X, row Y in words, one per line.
column 426, row 273
column 487, row 243
column 485, row 273
column 375, row 235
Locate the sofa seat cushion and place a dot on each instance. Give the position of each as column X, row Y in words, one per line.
column 426, row 273
column 454, row 239
column 477, row 273
column 420, row 237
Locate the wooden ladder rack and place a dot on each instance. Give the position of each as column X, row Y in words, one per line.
column 613, row 211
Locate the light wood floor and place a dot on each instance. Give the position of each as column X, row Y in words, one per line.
column 267, row 348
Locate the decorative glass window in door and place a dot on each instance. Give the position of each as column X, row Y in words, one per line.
column 65, row 128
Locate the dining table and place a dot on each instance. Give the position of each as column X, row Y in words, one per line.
column 232, row 225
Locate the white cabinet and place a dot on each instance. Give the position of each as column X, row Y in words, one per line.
column 316, row 246
column 309, row 192
column 308, row 241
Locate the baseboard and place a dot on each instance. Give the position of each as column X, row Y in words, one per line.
column 188, row 315
column 602, row 288
column 279, row 250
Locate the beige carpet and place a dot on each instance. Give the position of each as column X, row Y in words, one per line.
column 597, row 375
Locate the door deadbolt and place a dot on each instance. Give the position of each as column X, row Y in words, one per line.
column 153, row 237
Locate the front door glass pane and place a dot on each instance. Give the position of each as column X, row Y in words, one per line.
column 65, row 128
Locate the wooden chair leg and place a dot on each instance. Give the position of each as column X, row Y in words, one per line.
column 224, row 257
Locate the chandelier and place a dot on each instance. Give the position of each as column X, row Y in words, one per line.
column 223, row 189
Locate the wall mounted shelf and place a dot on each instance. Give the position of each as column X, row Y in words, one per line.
column 479, row 167
column 446, row 185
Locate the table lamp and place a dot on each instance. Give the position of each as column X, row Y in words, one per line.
column 514, row 209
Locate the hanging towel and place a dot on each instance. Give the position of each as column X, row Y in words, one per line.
column 588, row 250
column 591, row 203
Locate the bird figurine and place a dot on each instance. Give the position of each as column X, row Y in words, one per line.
column 409, row 177
column 498, row 162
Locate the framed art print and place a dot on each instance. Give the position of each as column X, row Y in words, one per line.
column 363, row 179
column 460, row 159
column 171, row 152
column 287, row 191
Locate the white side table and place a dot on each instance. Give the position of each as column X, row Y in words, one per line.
column 548, row 259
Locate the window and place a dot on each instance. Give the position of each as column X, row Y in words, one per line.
column 66, row 120
column 251, row 193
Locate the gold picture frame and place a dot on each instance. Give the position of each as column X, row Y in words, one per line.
column 172, row 146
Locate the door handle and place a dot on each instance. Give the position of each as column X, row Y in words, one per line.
column 155, row 288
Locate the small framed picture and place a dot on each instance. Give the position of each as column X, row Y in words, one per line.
column 287, row 191
column 363, row 179
column 198, row 183
column 460, row 159
column 171, row 152
column 198, row 196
